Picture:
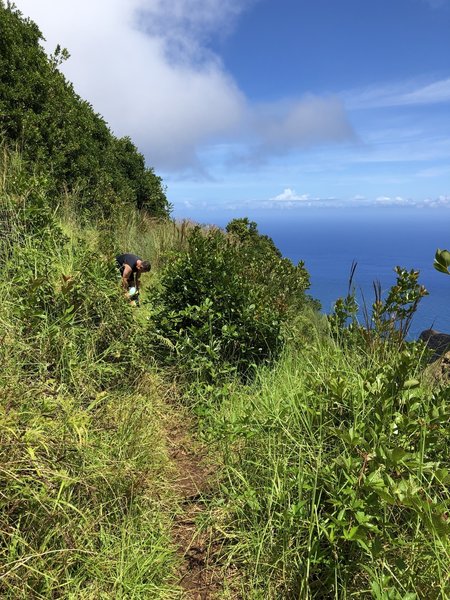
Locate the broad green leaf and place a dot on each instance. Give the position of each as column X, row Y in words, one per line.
column 442, row 261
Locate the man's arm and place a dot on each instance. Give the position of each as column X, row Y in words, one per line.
column 127, row 270
column 138, row 281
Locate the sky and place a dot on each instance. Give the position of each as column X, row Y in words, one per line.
column 248, row 107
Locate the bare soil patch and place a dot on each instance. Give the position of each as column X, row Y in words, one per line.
column 199, row 575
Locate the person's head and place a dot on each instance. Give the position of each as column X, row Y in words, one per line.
column 143, row 266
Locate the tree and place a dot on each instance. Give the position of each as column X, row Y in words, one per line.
column 59, row 134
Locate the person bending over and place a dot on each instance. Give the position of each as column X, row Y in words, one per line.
column 131, row 267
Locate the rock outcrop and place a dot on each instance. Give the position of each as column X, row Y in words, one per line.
column 439, row 344
column 436, row 341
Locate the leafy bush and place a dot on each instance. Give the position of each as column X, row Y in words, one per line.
column 390, row 318
column 223, row 302
column 60, row 135
column 336, row 479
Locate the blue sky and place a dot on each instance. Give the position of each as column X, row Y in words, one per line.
column 255, row 106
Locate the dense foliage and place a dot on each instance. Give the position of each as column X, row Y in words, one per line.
column 223, row 302
column 82, row 456
column 336, row 478
column 60, row 135
column 332, row 459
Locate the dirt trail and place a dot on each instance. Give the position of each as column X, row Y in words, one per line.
column 199, row 576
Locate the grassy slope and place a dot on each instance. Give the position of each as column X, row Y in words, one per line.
column 335, row 466
column 85, row 501
column 335, row 479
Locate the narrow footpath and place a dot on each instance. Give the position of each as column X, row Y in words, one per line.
column 200, row 576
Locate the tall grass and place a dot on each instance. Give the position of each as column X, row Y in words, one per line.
column 336, row 467
column 335, row 480
column 80, row 510
column 151, row 238
column 85, row 504
column 137, row 232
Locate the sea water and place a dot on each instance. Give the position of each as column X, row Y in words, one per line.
column 378, row 239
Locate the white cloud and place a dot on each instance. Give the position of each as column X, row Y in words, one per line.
column 289, row 198
column 180, row 20
column 391, row 201
column 289, row 195
column 282, row 127
column 145, row 66
column 131, row 78
column 403, row 94
column 434, row 93
column 440, row 201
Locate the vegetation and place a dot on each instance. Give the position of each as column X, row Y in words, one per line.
column 333, row 456
column 442, row 261
column 223, row 300
column 328, row 444
column 335, row 479
column 390, row 318
column 60, row 136
column 82, row 457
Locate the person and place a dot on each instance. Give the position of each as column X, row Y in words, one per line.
column 131, row 267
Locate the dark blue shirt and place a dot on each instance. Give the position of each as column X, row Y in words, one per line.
column 127, row 259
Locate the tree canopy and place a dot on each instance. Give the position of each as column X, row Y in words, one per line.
column 59, row 134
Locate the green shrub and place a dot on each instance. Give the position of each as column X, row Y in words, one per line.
column 60, row 135
column 222, row 303
column 336, row 479
column 389, row 320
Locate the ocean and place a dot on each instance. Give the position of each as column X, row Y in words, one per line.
column 378, row 239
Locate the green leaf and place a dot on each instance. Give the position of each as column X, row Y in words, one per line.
column 442, row 261
column 411, row 383
column 398, row 454
column 350, row 535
